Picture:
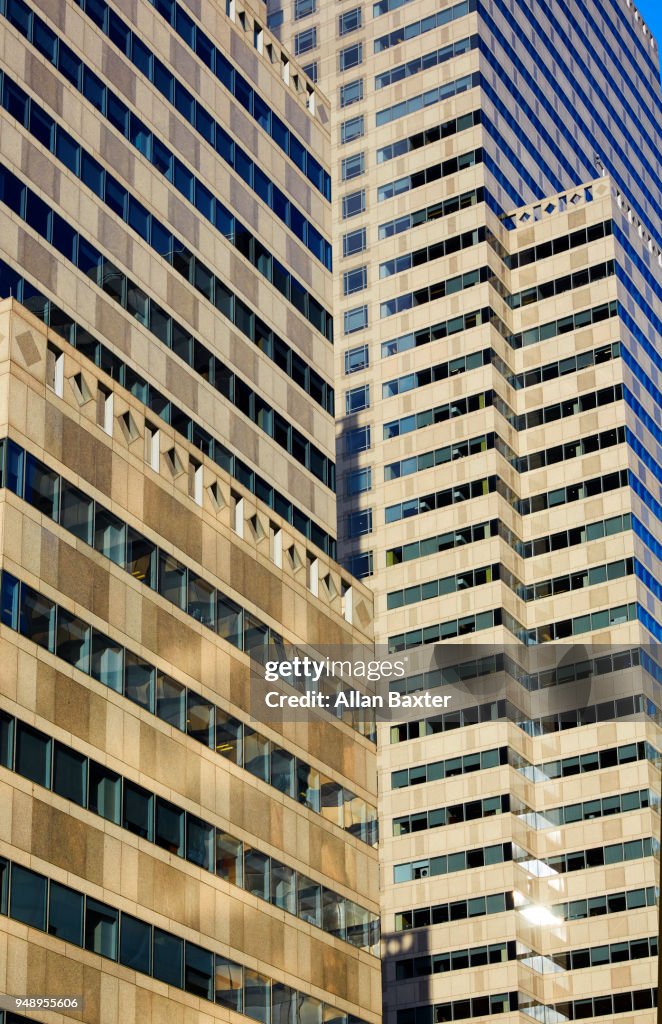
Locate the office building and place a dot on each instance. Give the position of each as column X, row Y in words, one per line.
column 167, row 507
column 498, row 297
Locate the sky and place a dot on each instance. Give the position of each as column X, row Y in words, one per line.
column 651, row 12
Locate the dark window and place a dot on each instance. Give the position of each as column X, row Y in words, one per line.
column 199, row 971
column 139, row 680
column 228, row 737
column 37, row 618
column 136, row 944
column 141, row 558
column 200, row 719
column 107, row 661
column 33, row 754
column 6, row 740
column 41, row 486
column 199, row 842
column 229, row 984
column 169, row 831
column 73, row 640
column 229, row 858
column 70, row 774
column 28, row 897
column 101, row 929
column 168, row 956
column 137, row 815
column 171, row 701
column 65, row 914
column 104, row 792
column 76, row 511
column 256, row 996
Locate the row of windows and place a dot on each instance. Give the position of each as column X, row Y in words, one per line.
column 439, row 414
column 479, row 906
column 500, row 952
column 429, row 253
column 565, row 673
column 596, row 1006
column 545, row 250
column 419, row 28
column 426, row 61
column 81, row 339
column 560, row 367
column 73, row 640
column 568, row 582
column 440, row 457
column 435, row 332
column 473, row 810
column 606, row 618
column 427, row 175
column 526, row 549
column 438, row 290
column 54, row 765
column 440, row 371
column 455, row 960
column 73, row 917
column 607, row 711
column 569, row 282
column 560, row 410
column 590, row 809
column 523, row 506
column 597, row 956
column 579, row 764
column 459, row 910
column 568, row 767
column 565, row 495
column 440, row 499
column 83, row 79
column 463, row 860
column 458, row 538
column 57, row 231
column 251, row 100
column 442, row 208
column 612, row 903
column 108, row 188
column 427, row 99
column 536, row 375
column 461, row 1009
column 465, row 626
column 482, row 1006
column 458, row 583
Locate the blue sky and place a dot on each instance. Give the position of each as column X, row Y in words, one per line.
column 651, row 12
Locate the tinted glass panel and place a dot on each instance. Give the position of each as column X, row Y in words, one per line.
column 137, row 816
column 171, row 701
column 28, row 897
column 105, row 790
column 70, row 774
column 33, row 754
column 168, row 957
column 65, row 914
column 101, row 927
column 136, row 944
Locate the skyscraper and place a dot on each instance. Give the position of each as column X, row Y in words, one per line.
column 498, row 297
column 167, row 508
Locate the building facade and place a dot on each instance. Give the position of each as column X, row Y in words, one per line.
column 498, row 288
column 167, row 507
